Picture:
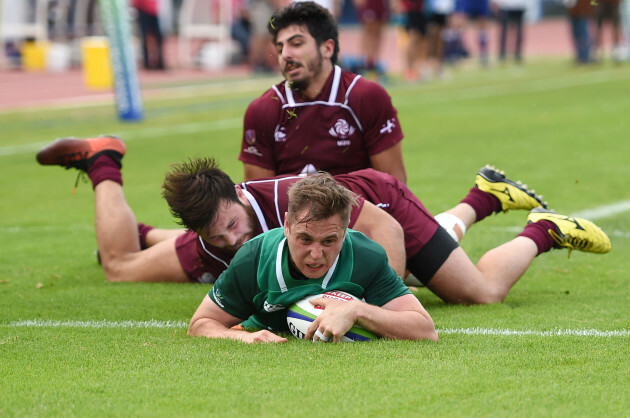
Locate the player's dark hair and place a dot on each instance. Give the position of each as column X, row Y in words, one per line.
column 323, row 197
column 320, row 23
column 194, row 189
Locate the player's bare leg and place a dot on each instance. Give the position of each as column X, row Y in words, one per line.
column 460, row 281
column 115, row 222
column 156, row 235
column 493, row 192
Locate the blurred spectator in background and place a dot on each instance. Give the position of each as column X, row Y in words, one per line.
column 580, row 12
column 415, row 22
column 151, row 33
column 333, row 6
column 607, row 11
column 261, row 54
column 511, row 13
column 438, row 12
column 241, row 27
column 454, row 48
column 477, row 11
column 373, row 15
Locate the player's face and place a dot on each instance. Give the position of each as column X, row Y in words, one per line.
column 315, row 245
column 233, row 226
column 299, row 56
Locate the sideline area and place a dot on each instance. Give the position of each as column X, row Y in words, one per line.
column 22, row 89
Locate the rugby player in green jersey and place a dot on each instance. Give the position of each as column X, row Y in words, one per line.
column 315, row 251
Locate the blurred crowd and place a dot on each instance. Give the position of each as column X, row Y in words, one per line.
column 431, row 34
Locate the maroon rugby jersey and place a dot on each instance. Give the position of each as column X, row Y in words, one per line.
column 269, row 199
column 350, row 120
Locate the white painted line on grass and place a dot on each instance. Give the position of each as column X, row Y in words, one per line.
column 46, row 229
column 605, row 211
column 39, row 323
column 22, row 149
column 181, row 129
column 559, row 332
column 593, row 214
column 521, row 87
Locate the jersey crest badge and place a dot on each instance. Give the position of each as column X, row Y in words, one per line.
column 218, row 297
column 342, row 129
column 250, row 136
column 272, row 308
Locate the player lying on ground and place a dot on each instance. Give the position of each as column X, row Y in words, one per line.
column 221, row 217
column 314, row 252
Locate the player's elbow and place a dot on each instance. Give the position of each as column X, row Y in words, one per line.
column 426, row 331
column 432, row 335
column 194, row 328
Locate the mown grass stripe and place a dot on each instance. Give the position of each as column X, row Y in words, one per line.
column 559, row 332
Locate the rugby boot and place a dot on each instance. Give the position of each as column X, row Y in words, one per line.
column 81, row 153
column 572, row 233
column 512, row 195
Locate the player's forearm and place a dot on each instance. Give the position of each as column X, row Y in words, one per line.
column 390, row 161
column 253, row 172
column 210, row 328
column 399, row 325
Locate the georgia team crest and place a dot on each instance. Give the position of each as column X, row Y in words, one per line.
column 342, row 129
column 279, row 134
column 250, row 137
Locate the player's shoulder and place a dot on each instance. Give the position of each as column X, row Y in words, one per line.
column 360, row 87
column 272, row 98
column 364, row 247
column 248, row 253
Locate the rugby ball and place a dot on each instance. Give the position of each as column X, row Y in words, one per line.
column 301, row 314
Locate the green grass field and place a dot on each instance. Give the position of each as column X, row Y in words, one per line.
column 72, row 344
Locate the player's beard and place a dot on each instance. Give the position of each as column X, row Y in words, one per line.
column 254, row 224
column 313, row 70
column 253, row 229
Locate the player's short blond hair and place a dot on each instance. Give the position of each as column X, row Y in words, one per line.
column 323, row 197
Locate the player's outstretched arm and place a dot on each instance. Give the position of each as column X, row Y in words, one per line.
column 213, row 322
column 402, row 318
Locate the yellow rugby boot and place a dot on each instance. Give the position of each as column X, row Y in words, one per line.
column 573, row 233
column 512, row 195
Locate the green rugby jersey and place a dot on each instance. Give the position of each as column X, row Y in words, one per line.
column 258, row 284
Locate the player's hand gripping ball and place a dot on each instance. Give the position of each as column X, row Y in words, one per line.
column 301, row 314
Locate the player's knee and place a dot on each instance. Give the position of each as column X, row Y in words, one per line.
column 488, row 296
column 452, row 224
column 113, row 270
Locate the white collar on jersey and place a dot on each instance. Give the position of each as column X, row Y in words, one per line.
column 257, row 210
column 333, row 91
column 280, row 277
